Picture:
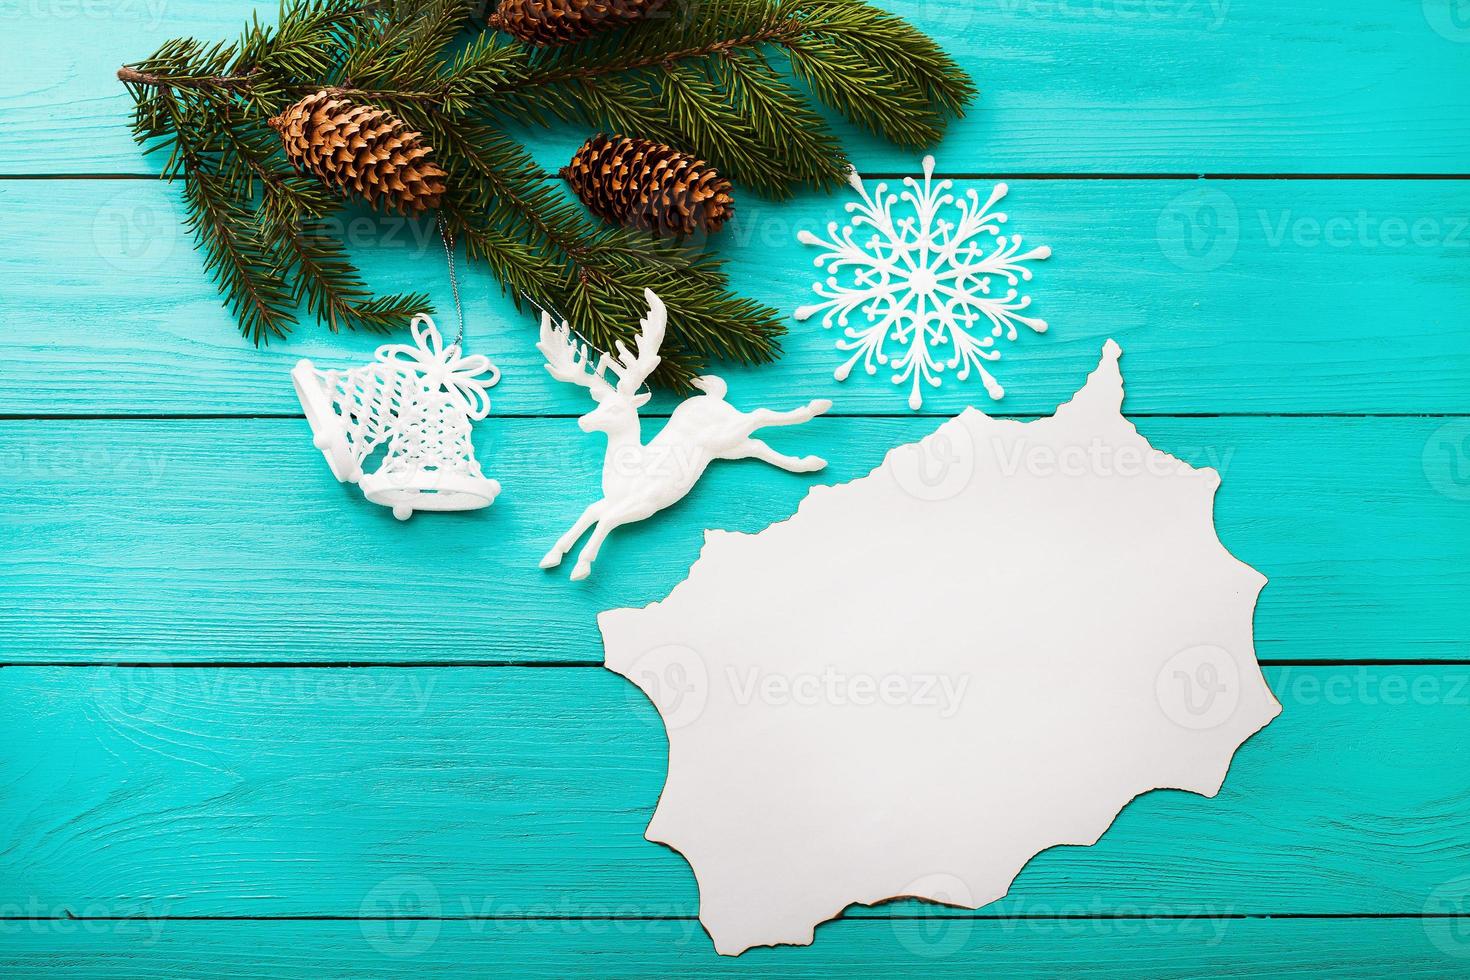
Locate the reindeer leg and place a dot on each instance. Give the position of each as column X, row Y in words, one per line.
column 763, row 417
column 589, row 551
column 756, row 449
column 564, row 543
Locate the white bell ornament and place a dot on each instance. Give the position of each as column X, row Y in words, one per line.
column 420, row 399
column 431, row 462
column 350, row 411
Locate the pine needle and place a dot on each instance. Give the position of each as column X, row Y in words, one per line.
column 703, row 78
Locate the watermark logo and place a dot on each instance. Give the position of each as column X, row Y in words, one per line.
column 148, row 12
column 1199, row 687
column 137, row 230
column 937, row 467
column 1447, row 917
column 936, row 934
column 1204, row 925
column 677, row 682
column 399, row 917
column 1364, row 230
column 147, row 694
column 1446, row 459
column 1373, row 686
column 130, row 697
column 1199, row 230
column 39, row 462
column 946, row 17
column 1450, row 19
column 1100, row 458
column 145, row 923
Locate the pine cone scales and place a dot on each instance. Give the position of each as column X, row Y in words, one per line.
column 553, row 22
column 638, row 183
column 361, row 148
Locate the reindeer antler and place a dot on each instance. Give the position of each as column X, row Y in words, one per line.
column 568, row 359
column 632, row 371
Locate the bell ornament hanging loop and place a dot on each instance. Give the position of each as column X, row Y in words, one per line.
column 467, row 378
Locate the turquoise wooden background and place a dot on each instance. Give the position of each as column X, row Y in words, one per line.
column 250, row 726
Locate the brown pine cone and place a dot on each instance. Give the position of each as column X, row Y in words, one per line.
column 361, row 148
column 553, row 22
column 638, row 183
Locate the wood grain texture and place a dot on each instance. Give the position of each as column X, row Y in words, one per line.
column 106, row 309
column 1124, row 950
column 182, row 540
column 489, row 819
column 1258, row 86
column 516, row 792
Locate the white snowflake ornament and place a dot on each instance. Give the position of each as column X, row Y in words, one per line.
column 939, row 285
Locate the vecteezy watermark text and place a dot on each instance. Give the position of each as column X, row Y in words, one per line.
column 1098, row 458
column 838, row 688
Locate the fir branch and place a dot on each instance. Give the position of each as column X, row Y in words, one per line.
column 722, row 27
column 702, row 81
column 704, row 84
column 882, row 39
column 719, row 132
column 330, row 286
column 782, row 118
column 234, row 254
column 400, row 44
column 476, row 73
column 593, row 275
column 237, row 258
column 863, row 92
column 325, row 280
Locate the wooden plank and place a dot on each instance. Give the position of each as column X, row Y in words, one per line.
column 106, row 309
column 1125, row 950
column 1170, row 86
column 229, row 540
column 516, row 792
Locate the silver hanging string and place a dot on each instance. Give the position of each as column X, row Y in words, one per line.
column 447, row 237
column 551, row 311
column 555, row 314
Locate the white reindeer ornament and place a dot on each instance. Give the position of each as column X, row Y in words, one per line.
column 637, row 479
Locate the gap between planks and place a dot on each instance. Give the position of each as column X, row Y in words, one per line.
column 280, row 416
column 978, row 175
column 879, row 919
column 577, row 664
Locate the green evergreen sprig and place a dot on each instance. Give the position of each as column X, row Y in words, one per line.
column 722, row 79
